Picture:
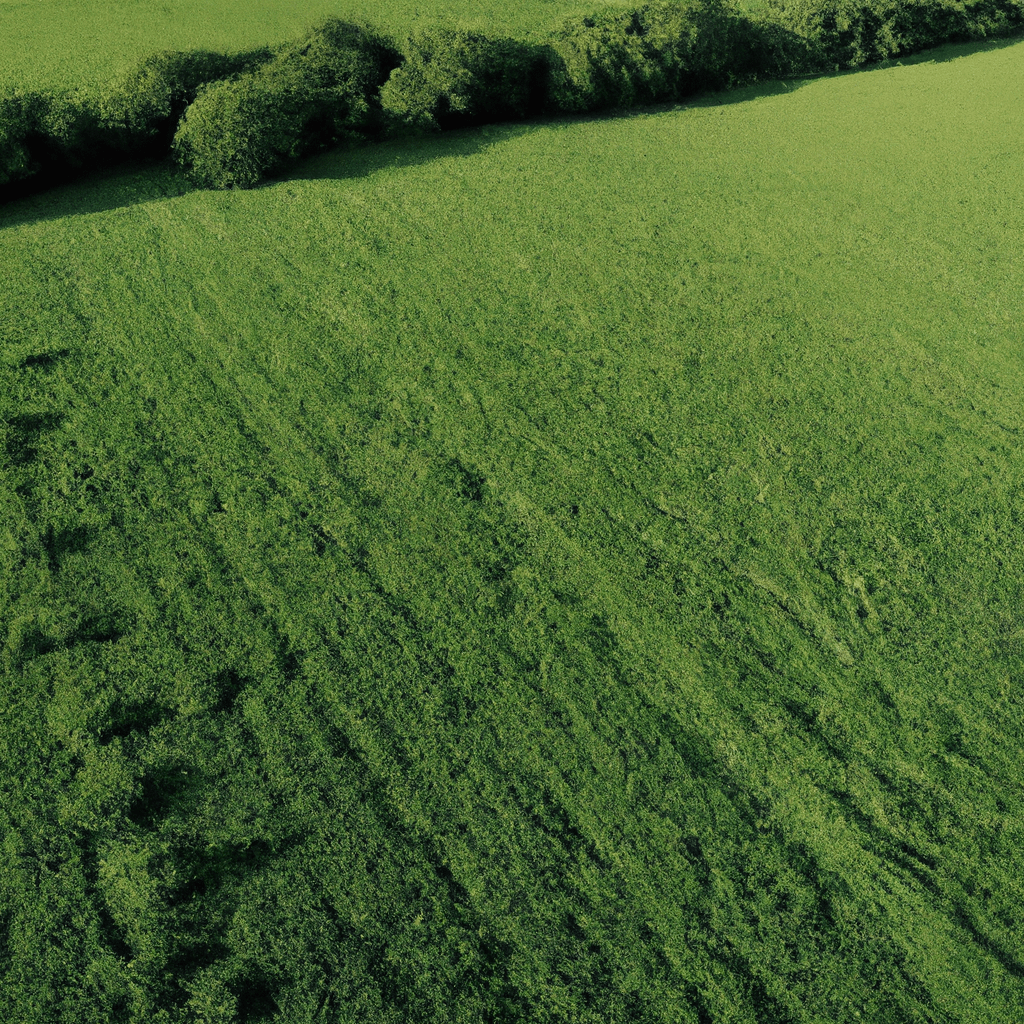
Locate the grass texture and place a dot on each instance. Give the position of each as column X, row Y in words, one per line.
column 563, row 571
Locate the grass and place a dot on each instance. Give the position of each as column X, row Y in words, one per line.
column 566, row 571
column 59, row 45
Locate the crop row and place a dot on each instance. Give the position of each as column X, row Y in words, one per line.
column 232, row 119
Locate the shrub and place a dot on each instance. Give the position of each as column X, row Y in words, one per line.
column 661, row 51
column 920, row 25
column 312, row 94
column 761, row 49
column 841, row 33
column 18, row 119
column 140, row 111
column 603, row 61
column 69, row 137
column 453, row 78
column 53, row 137
column 696, row 43
column 47, row 138
column 849, row 33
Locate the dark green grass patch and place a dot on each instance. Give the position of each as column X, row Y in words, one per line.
column 557, row 572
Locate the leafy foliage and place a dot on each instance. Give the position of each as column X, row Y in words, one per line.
column 70, row 137
column 665, row 51
column 849, row 33
column 453, row 78
column 53, row 137
column 141, row 110
column 315, row 93
column 656, row 52
column 19, row 115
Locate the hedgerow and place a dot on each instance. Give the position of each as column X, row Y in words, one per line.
column 141, row 111
column 313, row 94
column 48, row 137
column 454, row 78
column 230, row 119
column 849, row 33
column 657, row 52
column 18, row 115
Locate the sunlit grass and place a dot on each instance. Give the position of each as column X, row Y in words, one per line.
column 570, row 566
column 53, row 44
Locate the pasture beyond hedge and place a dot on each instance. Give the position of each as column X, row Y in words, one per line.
column 238, row 117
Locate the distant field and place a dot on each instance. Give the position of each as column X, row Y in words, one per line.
column 566, row 571
column 54, row 44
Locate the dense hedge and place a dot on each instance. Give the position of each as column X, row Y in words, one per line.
column 142, row 110
column 848, row 33
column 52, row 137
column 452, row 78
column 232, row 118
column 18, row 115
column 313, row 94
column 660, row 51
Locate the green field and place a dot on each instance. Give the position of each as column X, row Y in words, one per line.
column 566, row 571
column 53, row 44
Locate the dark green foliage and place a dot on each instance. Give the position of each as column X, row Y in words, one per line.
column 761, row 48
column 47, row 138
column 849, row 33
column 142, row 109
column 661, row 51
column 18, row 117
column 312, row 94
column 453, row 78
column 70, row 136
column 56, row 137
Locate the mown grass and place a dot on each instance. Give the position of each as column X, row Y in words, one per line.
column 566, row 571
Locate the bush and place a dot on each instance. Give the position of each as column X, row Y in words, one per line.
column 18, row 119
column 763, row 49
column 696, row 43
column 918, row 26
column 139, row 112
column 69, row 137
column 661, row 51
column 48, row 138
column 604, row 61
column 453, row 78
column 312, row 94
column 849, row 33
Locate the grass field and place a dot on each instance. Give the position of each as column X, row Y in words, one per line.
column 53, row 44
column 566, row 571
column 50, row 44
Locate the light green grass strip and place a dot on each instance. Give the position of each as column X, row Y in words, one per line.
column 52, row 44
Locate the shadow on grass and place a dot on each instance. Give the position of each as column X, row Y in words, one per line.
column 110, row 189
column 144, row 182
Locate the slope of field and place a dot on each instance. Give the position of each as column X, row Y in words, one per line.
column 566, row 571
